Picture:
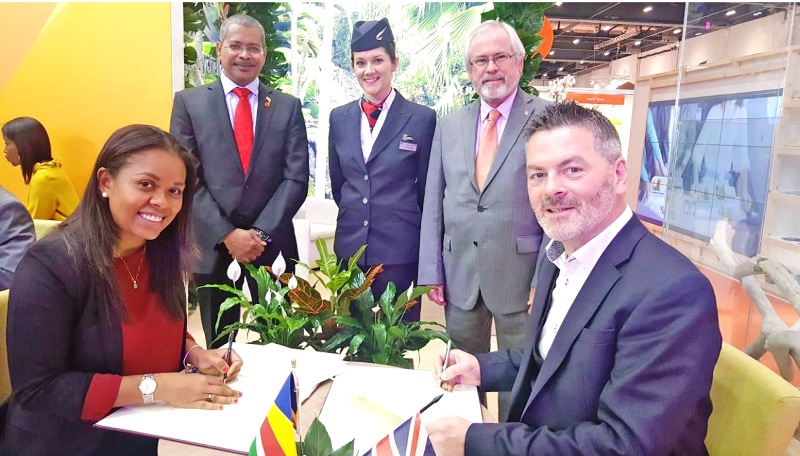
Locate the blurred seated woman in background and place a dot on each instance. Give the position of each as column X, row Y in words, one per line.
column 51, row 195
column 97, row 317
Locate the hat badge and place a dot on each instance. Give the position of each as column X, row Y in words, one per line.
column 379, row 36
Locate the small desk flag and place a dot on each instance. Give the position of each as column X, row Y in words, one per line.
column 408, row 439
column 276, row 436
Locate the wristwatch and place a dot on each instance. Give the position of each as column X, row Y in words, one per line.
column 264, row 236
column 148, row 387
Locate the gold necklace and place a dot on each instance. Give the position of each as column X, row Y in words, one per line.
column 134, row 279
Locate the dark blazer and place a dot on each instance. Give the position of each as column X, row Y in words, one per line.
column 16, row 234
column 630, row 369
column 277, row 179
column 380, row 201
column 67, row 337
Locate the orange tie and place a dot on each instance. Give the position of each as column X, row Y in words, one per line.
column 487, row 148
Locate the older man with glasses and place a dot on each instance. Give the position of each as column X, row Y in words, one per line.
column 252, row 146
column 480, row 238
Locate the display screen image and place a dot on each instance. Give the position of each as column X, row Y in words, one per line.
column 708, row 159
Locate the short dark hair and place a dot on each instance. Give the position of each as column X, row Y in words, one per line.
column 571, row 114
column 91, row 234
column 242, row 20
column 391, row 49
column 32, row 141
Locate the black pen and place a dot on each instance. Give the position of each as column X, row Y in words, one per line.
column 428, row 405
column 228, row 358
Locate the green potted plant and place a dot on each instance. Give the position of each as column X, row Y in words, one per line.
column 349, row 321
column 375, row 332
column 273, row 317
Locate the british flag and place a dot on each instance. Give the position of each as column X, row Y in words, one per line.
column 408, row 439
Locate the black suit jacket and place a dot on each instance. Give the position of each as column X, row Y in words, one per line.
column 275, row 185
column 630, row 369
column 59, row 335
column 380, row 201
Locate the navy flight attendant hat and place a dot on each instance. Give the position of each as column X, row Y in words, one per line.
column 370, row 35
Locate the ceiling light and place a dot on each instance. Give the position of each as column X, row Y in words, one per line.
column 647, row 9
column 677, row 31
column 581, row 62
column 596, row 85
column 561, row 69
column 637, row 42
column 576, row 41
column 559, row 3
column 730, row 12
column 698, row 33
column 606, row 53
column 552, row 52
column 758, row 13
column 606, row 28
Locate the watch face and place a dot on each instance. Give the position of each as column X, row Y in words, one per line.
column 147, row 386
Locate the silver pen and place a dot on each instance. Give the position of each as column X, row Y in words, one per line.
column 446, row 360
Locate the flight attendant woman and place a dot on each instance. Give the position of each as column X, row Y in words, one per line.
column 379, row 149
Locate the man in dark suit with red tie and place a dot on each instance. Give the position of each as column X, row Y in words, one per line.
column 252, row 146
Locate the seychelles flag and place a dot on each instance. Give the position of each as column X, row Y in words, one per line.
column 276, row 436
column 408, row 439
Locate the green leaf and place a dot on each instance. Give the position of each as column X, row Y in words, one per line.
column 379, row 333
column 353, row 263
column 317, row 441
column 356, row 342
column 348, row 449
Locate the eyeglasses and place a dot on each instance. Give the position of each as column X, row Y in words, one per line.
column 238, row 48
column 499, row 60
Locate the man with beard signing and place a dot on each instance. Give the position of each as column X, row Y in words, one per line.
column 479, row 238
column 616, row 360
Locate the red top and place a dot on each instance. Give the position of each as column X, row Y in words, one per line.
column 152, row 341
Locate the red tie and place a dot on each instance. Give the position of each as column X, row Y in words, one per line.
column 243, row 126
column 372, row 110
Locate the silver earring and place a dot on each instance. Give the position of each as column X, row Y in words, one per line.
column 104, row 195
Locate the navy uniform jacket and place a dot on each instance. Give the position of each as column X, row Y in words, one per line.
column 380, row 201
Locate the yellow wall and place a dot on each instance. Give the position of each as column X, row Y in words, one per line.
column 83, row 70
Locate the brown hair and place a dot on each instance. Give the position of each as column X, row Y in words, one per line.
column 91, row 234
column 32, row 141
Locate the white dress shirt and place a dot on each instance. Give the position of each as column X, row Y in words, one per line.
column 231, row 99
column 368, row 137
column 573, row 272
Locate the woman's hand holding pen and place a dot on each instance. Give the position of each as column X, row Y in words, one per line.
column 212, row 362
column 462, row 368
column 194, row 391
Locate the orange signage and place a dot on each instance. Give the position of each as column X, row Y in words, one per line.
column 547, row 36
column 596, row 98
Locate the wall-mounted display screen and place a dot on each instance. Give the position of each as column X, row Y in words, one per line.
column 718, row 149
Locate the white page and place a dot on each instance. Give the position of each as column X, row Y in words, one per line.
column 368, row 402
column 264, row 372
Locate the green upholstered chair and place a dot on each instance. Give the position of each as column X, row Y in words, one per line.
column 756, row 412
column 5, row 381
column 43, row 226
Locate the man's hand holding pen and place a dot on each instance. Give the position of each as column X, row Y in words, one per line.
column 461, row 369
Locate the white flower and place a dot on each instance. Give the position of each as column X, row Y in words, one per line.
column 234, row 271
column 376, row 309
column 410, row 291
column 292, row 283
column 279, row 265
column 246, row 291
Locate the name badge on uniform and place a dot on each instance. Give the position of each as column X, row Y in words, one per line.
column 407, row 143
